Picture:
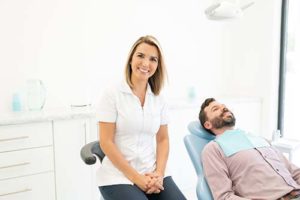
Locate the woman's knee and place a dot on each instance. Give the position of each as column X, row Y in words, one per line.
column 122, row 191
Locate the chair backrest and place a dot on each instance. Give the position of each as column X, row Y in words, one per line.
column 194, row 143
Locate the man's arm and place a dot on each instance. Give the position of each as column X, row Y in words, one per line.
column 293, row 169
column 217, row 174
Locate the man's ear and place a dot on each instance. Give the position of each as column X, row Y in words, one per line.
column 207, row 125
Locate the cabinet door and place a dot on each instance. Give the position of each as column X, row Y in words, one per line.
column 35, row 187
column 73, row 177
column 25, row 162
column 24, row 136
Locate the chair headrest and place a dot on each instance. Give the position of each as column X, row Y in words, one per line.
column 196, row 129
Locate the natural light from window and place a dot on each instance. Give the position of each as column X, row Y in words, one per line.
column 292, row 76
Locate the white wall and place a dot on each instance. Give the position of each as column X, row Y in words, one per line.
column 78, row 47
column 250, row 59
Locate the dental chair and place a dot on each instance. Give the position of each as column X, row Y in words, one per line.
column 194, row 143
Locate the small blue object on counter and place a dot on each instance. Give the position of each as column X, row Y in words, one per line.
column 16, row 103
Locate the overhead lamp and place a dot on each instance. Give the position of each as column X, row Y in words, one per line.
column 226, row 10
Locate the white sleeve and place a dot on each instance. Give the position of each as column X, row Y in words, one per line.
column 106, row 109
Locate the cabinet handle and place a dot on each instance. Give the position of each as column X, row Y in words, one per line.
column 15, row 138
column 16, row 192
column 15, row 165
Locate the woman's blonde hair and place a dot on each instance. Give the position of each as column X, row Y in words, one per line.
column 156, row 81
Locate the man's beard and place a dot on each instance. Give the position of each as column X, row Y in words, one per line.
column 220, row 121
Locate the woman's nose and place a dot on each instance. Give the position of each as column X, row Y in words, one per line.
column 145, row 62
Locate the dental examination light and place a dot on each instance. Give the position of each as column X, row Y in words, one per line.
column 226, row 10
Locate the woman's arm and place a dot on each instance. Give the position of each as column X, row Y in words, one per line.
column 162, row 149
column 162, row 153
column 107, row 134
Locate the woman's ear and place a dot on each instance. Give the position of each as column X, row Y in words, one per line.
column 207, row 125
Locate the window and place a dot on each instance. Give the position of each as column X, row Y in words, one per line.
column 289, row 88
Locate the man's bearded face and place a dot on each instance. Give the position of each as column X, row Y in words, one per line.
column 225, row 119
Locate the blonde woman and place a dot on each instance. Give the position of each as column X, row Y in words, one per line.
column 133, row 124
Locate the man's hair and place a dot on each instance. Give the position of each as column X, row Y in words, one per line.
column 202, row 113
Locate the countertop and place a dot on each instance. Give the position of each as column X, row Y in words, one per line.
column 45, row 115
column 89, row 112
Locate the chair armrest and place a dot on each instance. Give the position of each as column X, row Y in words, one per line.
column 89, row 151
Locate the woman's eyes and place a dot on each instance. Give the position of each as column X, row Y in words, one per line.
column 153, row 59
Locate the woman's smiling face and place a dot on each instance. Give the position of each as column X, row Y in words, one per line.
column 144, row 62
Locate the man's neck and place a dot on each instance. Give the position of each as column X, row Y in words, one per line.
column 220, row 131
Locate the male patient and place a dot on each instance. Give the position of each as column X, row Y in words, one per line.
column 241, row 166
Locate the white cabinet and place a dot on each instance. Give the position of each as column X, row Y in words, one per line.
column 35, row 187
column 73, row 177
column 23, row 136
column 40, row 158
column 26, row 162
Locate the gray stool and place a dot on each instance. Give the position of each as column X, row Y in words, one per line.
column 90, row 152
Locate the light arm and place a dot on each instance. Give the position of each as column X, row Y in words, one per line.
column 162, row 149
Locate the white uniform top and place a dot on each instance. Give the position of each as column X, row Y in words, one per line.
column 136, row 129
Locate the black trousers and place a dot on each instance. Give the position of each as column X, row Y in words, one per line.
column 133, row 192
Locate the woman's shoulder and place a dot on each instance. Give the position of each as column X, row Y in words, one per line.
column 160, row 99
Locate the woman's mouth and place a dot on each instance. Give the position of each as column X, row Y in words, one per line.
column 143, row 70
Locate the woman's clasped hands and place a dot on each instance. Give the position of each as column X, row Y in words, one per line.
column 151, row 183
column 156, row 183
